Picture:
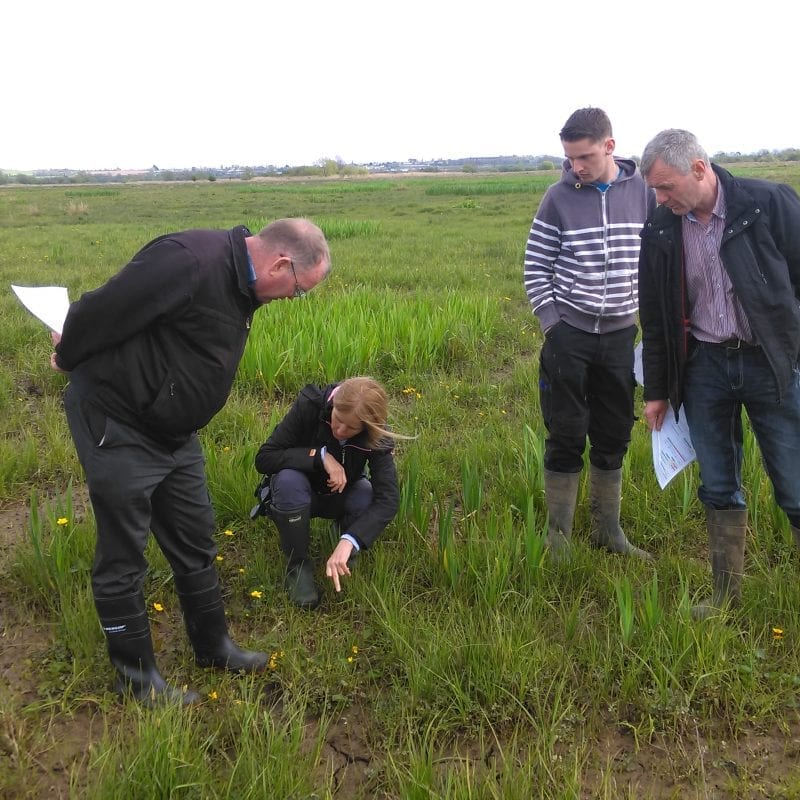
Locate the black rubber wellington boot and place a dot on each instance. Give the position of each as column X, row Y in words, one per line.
column 204, row 614
column 130, row 648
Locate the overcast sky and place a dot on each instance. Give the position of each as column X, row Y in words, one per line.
column 91, row 85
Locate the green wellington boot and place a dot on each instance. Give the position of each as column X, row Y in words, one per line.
column 727, row 531
column 561, row 495
column 605, row 497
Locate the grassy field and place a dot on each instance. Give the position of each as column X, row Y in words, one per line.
column 458, row 662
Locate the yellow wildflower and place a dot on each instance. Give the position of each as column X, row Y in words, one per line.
column 158, row 607
column 777, row 634
column 354, row 649
column 255, row 593
column 62, row 521
column 220, row 558
column 228, row 532
column 275, row 658
column 213, row 694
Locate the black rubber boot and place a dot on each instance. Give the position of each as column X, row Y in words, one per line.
column 204, row 615
column 130, row 648
column 301, row 586
column 294, row 529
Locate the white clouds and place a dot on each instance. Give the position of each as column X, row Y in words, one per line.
column 92, row 85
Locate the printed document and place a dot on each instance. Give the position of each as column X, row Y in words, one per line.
column 672, row 448
column 672, row 445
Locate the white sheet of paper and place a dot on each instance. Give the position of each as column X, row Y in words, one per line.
column 47, row 303
column 672, row 448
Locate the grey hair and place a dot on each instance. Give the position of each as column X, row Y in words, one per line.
column 301, row 239
column 676, row 148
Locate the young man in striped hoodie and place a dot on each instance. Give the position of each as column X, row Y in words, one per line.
column 581, row 279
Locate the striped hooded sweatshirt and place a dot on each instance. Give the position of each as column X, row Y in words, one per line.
column 582, row 254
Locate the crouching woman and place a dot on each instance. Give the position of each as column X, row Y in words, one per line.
column 331, row 456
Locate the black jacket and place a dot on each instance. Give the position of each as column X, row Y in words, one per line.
column 157, row 346
column 296, row 441
column 760, row 252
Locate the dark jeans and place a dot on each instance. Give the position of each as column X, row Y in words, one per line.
column 586, row 388
column 136, row 486
column 719, row 383
column 291, row 490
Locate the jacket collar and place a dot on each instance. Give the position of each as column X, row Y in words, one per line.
column 237, row 236
column 742, row 208
column 661, row 225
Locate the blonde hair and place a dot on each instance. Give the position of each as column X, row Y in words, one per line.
column 366, row 399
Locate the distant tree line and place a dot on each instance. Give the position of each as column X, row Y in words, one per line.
column 67, row 176
column 789, row 154
column 322, row 168
column 330, row 167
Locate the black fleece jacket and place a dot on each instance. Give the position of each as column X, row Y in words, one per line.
column 296, row 441
column 157, row 346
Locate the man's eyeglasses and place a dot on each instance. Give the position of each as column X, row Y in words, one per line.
column 298, row 290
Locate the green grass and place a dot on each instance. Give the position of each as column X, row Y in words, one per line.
column 495, row 186
column 458, row 661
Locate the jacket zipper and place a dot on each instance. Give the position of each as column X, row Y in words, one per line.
column 605, row 258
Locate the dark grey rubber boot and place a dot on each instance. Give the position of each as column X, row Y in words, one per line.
column 727, row 532
column 605, row 498
column 561, row 495
column 204, row 615
column 294, row 529
column 130, row 648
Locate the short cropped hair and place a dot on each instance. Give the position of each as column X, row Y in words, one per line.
column 677, row 148
column 586, row 123
column 299, row 238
